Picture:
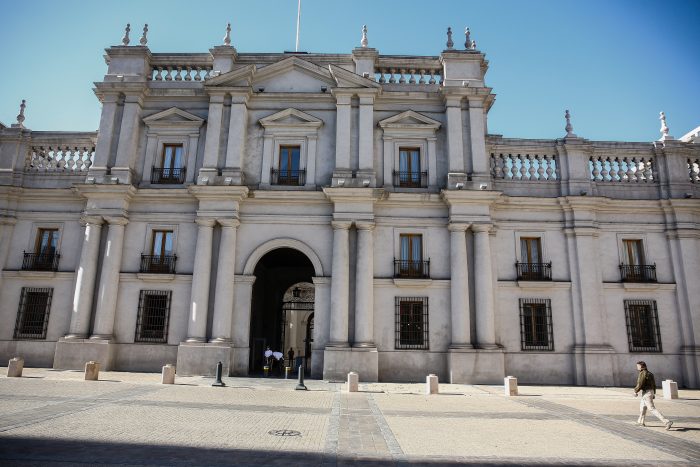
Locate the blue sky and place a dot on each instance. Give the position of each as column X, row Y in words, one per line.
column 614, row 64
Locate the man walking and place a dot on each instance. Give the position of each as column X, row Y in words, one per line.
column 646, row 384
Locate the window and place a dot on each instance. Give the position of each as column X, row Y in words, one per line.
column 411, row 264
column 171, row 170
column 412, row 323
column 162, row 244
column 530, row 250
column 288, row 171
column 161, row 259
column 33, row 313
column 45, row 256
column 409, row 174
column 154, row 311
column 531, row 266
column 634, row 268
column 642, row 326
column 536, row 324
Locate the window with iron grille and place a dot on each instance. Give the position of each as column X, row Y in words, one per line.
column 154, row 312
column 536, row 324
column 643, row 331
column 412, row 323
column 33, row 313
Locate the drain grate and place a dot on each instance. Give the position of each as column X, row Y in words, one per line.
column 284, row 433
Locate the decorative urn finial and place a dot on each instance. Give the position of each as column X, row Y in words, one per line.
column 227, row 37
column 449, row 44
column 364, row 42
column 664, row 128
column 20, row 117
column 144, row 37
column 127, row 30
column 569, row 128
column 473, row 45
column 468, row 40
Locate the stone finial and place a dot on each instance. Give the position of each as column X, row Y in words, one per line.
column 144, row 37
column 127, row 30
column 468, row 40
column 664, row 128
column 473, row 45
column 569, row 128
column 20, row 117
column 449, row 44
column 227, row 37
column 364, row 42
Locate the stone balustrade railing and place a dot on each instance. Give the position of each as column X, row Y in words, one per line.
column 524, row 167
column 622, row 169
column 180, row 67
column 398, row 70
column 694, row 170
column 69, row 153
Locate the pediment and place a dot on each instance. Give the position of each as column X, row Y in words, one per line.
column 174, row 116
column 410, row 120
column 242, row 76
column 291, row 118
column 348, row 79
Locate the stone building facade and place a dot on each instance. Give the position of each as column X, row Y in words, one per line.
column 354, row 207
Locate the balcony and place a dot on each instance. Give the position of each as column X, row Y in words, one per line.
column 409, row 269
column 40, row 261
column 288, row 177
column 158, row 264
column 534, row 271
column 638, row 272
column 168, row 176
column 410, row 179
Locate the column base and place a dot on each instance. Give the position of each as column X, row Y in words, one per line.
column 594, row 365
column 339, row 361
column 240, row 363
column 73, row 353
column 476, row 366
column 200, row 358
column 232, row 176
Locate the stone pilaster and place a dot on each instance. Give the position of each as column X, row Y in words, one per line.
column 209, row 170
column 366, row 139
column 481, row 171
column 342, row 136
column 224, row 294
column 199, row 302
column 483, row 288
column 340, row 285
column 364, row 286
column 237, row 130
column 459, row 287
column 455, row 152
column 106, row 135
column 125, row 163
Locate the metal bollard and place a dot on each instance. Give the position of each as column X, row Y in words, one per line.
column 266, row 371
column 287, row 370
column 15, row 367
column 219, row 369
column 300, row 383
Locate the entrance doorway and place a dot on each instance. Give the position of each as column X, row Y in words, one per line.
column 279, row 319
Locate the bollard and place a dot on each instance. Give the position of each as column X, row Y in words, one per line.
column 353, row 382
column 300, row 382
column 15, row 367
column 510, row 385
column 266, row 371
column 431, row 384
column 92, row 371
column 287, row 370
column 168, row 375
column 219, row 369
column 670, row 389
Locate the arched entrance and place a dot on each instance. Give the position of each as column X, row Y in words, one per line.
column 274, row 305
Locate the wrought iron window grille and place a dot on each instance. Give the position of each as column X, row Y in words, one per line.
column 638, row 272
column 410, row 269
column 33, row 313
column 412, row 332
column 643, row 331
column 534, row 271
column 40, row 261
column 536, row 324
column 158, row 264
column 153, row 316
column 168, row 175
column 288, row 177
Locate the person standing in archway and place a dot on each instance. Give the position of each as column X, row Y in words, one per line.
column 290, row 357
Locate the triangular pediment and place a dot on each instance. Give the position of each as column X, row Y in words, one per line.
column 242, row 76
column 410, row 119
column 174, row 116
column 291, row 118
column 348, row 79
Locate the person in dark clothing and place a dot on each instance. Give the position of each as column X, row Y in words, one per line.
column 647, row 386
column 290, row 356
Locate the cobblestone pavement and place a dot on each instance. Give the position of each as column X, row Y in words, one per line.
column 52, row 417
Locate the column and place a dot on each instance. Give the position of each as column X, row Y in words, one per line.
column 109, row 279
column 477, row 136
column 340, row 285
column 483, row 287
column 199, row 302
column 213, row 138
column 455, row 144
column 364, row 286
column 342, row 132
column 237, row 128
column 128, row 138
column 225, row 272
column 459, row 287
column 366, row 134
column 85, row 279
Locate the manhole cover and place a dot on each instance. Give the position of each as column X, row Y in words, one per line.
column 284, row 433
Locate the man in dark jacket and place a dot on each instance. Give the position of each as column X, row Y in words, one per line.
column 647, row 385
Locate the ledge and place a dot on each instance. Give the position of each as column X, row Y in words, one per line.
column 632, row 286
column 155, row 277
column 38, row 274
column 147, row 277
column 415, row 283
column 535, row 285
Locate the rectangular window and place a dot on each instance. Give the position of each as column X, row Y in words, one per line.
column 530, row 250
column 289, row 171
column 536, row 324
column 47, row 241
column 634, row 252
column 172, row 157
column 410, row 263
column 412, row 323
column 410, row 174
column 33, row 313
column 153, row 315
column 642, row 326
column 162, row 244
column 171, row 170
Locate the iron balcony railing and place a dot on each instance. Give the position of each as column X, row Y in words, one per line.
column 534, row 271
column 638, row 272
column 40, row 261
column 410, row 269
column 288, row 177
column 158, row 264
column 168, row 176
column 410, row 179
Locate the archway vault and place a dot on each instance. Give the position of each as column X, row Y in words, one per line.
column 270, row 245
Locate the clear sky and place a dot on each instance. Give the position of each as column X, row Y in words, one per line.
column 614, row 64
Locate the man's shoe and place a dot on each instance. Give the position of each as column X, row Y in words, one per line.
column 669, row 424
column 641, row 423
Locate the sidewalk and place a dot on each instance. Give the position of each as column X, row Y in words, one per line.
column 55, row 417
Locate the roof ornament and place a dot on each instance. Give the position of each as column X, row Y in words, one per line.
column 450, row 44
column 473, row 45
column 125, row 39
column 664, row 128
column 364, row 42
column 144, row 37
column 20, row 117
column 227, row 37
column 569, row 128
column 468, row 41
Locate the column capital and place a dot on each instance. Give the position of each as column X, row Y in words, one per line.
column 366, row 99
column 481, row 227
column 116, row 220
column 342, row 98
column 95, row 220
column 229, row 222
column 341, row 225
column 8, row 221
column 205, row 221
column 458, row 226
column 216, row 97
column 365, row 225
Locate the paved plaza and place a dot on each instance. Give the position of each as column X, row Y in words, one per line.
column 54, row 417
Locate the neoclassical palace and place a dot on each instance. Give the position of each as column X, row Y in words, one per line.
column 352, row 209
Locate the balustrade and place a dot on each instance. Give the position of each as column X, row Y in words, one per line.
column 180, row 72
column 534, row 271
column 40, row 261
column 411, row 269
column 524, row 167
column 621, row 169
column 288, row 177
column 399, row 75
column 694, row 170
column 158, row 264
column 60, row 158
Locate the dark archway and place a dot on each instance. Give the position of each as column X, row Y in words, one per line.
column 275, row 272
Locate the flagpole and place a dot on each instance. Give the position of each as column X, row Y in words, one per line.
column 298, row 17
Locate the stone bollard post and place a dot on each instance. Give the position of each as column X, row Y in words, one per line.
column 15, row 367
column 287, row 370
column 510, row 384
column 353, row 382
column 168, row 376
column 92, row 371
column 670, row 389
column 431, row 384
